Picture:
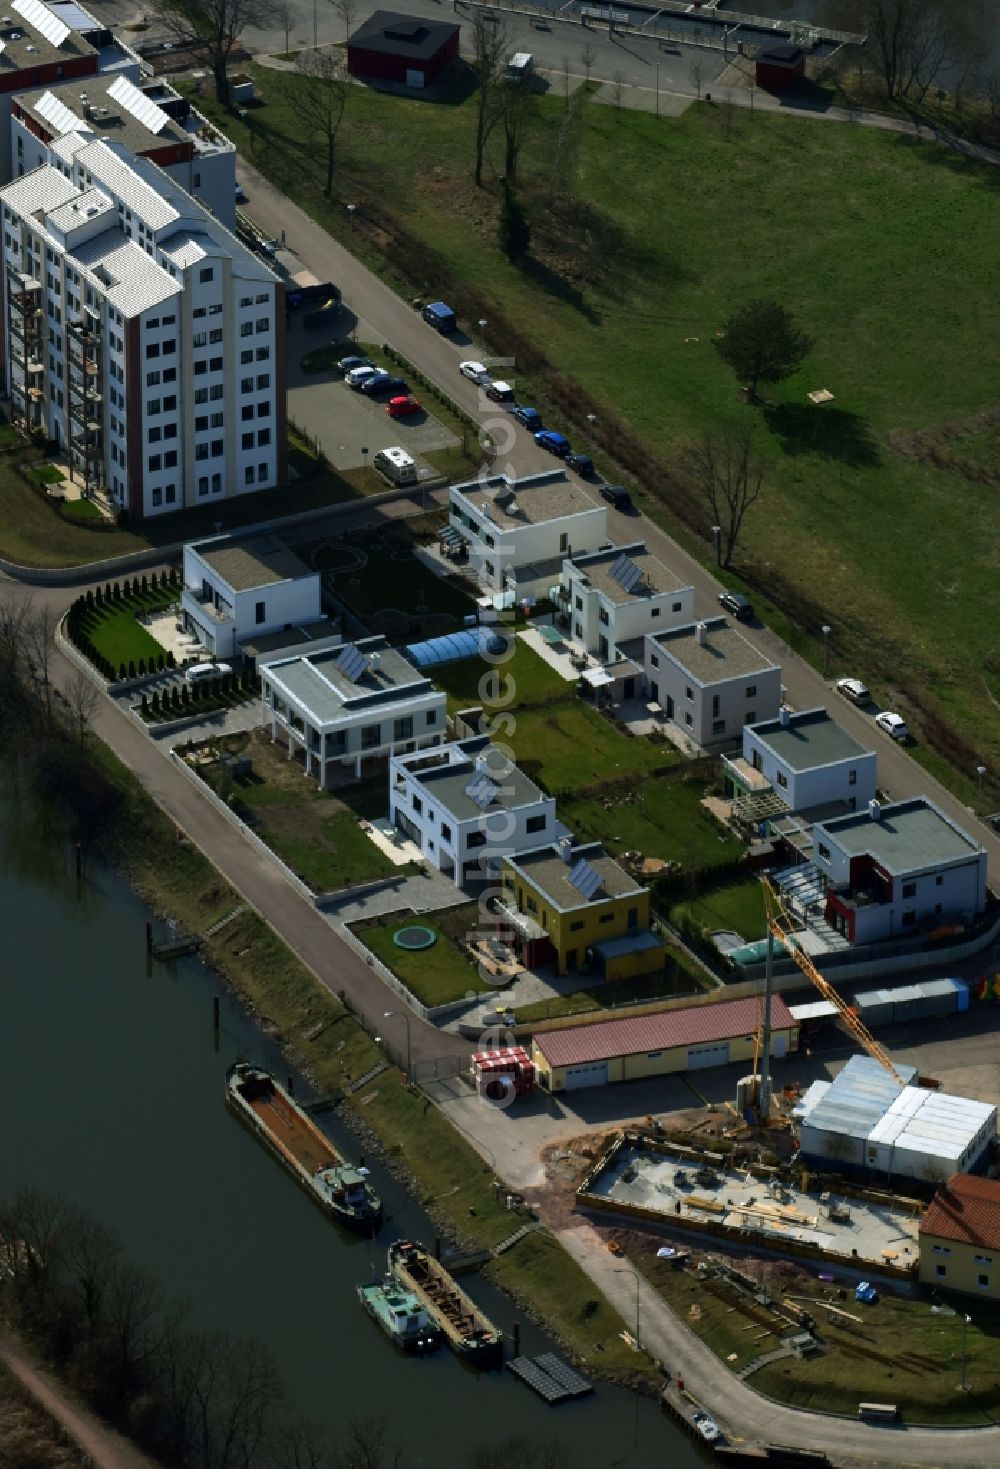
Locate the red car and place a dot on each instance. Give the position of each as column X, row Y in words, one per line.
column 400, row 407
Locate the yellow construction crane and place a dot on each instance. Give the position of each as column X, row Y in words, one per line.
column 780, row 925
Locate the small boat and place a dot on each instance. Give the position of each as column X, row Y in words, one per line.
column 340, row 1189
column 465, row 1328
column 400, row 1315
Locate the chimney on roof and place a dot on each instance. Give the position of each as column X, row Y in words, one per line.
column 784, row 716
column 566, row 849
column 374, row 662
column 875, row 810
column 701, row 633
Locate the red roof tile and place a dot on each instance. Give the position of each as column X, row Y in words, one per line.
column 966, row 1210
column 697, row 1026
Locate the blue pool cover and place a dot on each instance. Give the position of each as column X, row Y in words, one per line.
column 471, row 642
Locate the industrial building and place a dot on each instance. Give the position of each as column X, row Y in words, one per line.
column 595, row 915
column 689, row 1039
column 960, row 1237
column 867, row 1122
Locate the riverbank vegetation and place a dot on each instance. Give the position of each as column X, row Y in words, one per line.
column 29, row 1438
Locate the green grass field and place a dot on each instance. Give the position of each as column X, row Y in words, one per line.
column 736, row 904
column 507, row 683
column 117, row 636
column 659, row 818
column 881, row 245
column 569, row 745
column 436, row 975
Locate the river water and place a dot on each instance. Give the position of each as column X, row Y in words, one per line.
column 111, row 1094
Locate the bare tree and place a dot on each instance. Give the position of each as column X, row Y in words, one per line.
column 908, row 41
column 588, row 56
column 219, row 24
column 284, row 15
column 15, row 622
column 82, row 698
column 696, row 71
column 92, row 1251
column 490, row 47
column 618, row 90
column 347, row 10
column 516, row 116
column 40, row 635
column 322, row 99
column 724, row 470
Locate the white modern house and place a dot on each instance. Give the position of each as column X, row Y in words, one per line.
column 610, row 597
column 139, row 335
column 519, row 532
column 710, row 680
column 467, row 806
column 360, row 703
column 893, row 869
column 808, row 759
column 150, row 118
column 237, row 590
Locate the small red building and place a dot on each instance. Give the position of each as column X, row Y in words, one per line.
column 780, row 68
column 389, row 47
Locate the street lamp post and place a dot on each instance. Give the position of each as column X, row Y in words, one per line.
column 717, row 538
column 633, row 1272
column 315, row 26
column 350, row 214
column 963, row 1386
column 401, row 1015
column 483, row 324
column 826, row 631
column 980, row 772
column 657, row 89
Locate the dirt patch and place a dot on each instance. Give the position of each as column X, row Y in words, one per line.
column 931, row 446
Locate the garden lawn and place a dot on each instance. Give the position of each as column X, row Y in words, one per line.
column 117, row 636
column 566, row 746
column 508, row 683
column 436, row 975
column 737, row 905
column 681, row 976
column 338, row 854
column 393, row 578
column 660, row 818
column 618, row 275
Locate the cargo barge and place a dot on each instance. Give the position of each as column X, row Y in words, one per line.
column 340, row 1189
column 465, row 1328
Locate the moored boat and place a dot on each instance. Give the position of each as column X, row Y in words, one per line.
column 341, row 1189
column 400, row 1315
column 465, row 1328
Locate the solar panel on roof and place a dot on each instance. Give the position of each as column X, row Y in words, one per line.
column 482, row 790
column 618, row 563
column 138, row 104
column 585, row 878
column 62, row 118
column 626, row 573
column 351, row 662
column 41, row 18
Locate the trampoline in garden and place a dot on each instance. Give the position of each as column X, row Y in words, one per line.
column 414, row 936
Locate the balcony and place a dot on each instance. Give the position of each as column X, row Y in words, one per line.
column 199, row 607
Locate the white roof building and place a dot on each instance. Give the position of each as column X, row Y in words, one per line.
column 613, row 596
column 710, row 680
column 144, row 338
column 235, row 590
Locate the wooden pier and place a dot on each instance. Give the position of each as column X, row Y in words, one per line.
column 550, row 1377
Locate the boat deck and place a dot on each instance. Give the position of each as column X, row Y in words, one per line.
column 287, row 1126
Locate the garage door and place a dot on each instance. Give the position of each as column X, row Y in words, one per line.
column 716, row 1054
column 595, row 1073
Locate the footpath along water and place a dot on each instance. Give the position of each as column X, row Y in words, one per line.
column 112, row 1095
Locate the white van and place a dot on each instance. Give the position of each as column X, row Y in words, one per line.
column 520, row 67
column 396, row 465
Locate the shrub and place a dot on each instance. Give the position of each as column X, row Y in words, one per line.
column 131, row 668
column 141, row 665
column 122, row 671
column 171, row 660
column 159, row 662
column 145, row 584
column 144, row 704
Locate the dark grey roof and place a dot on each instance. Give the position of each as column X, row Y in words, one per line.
column 810, row 738
column 392, row 34
column 907, row 836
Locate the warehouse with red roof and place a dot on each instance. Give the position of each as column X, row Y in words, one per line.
column 688, row 1039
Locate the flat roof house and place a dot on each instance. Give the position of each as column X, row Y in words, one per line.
column 594, row 913
column 691, row 1039
column 960, row 1237
column 467, row 807
column 610, row 597
column 807, row 760
column 519, row 532
column 710, row 680
column 405, row 49
column 352, row 705
column 893, row 869
column 235, row 590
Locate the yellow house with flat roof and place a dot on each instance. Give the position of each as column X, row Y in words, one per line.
column 593, row 913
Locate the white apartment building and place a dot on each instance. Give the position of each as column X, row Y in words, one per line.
column 467, row 807
column 361, row 702
column 519, row 532
column 151, row 119
column 139, row 334
column 610, row 597
column 235, row 590
column 710, row 680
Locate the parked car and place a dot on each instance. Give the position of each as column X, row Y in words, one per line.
column 706, row 1426
column 853, row 689
column 737, row 604
column 500, row 391
column 357, row 375
column 440, row 316
column 582, row 463
column 383, row 382
column 402, row 406
column 474, row 371
column 547, row 438
column 202, row 672
column 893, row 725
column 348, row 364
column 530, row 417
column 241, row 194
column 617, row 495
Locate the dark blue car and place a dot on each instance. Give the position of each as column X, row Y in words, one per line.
column 557, row 444
column 383, row 382
column 530, row 417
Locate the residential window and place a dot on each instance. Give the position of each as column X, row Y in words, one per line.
column 262, row 354
column 157, row 496
column 403, row 728
column 152, row 378
column 262, row 473
column 688, row 720
column 371, row 736
column 445, row 832
column 476, row 839
column 169, row 346
column 606, row 917
column 984, row 1281
column 564, row 542
column 216, row 391
column 201, row 451
column 246, row 384
column 259, row 612
column 215, row 335
column 654, row 661
column 909, row 889
column 217, row 420
column 201, row 423
column 655, row 611
column 216, row 484
column 535, row 823
column 432, row 716
column 750, row 716
column 983, row 1259
column 940, row 1271
column 603, row 616
column 152, row 349
column 199, row 339
column 782, row 780
column 938, row 880
column 246, row 329
column 218, row 448
column 169, row 375
column 170, row 430
column 909, row 918
column 263, row 409
column 152, row 407
column 263, row 380
column 689, row 693
column 154, row 435
column 200, row 367
column 576, row 926
column 248, row 475
column 207, row 273
column 263, row 437
column 852, row 777
column 153, row 463
column 653, row 1055
column 247, row 443
column 751, row 690
column 718, row 726
column 715, row 704
column 246, row 357
column 262, row 323
column 246, row 412
column 203, row 485
column 215, row 364
column 261, row 300
column 578, row 603
column 633, row 918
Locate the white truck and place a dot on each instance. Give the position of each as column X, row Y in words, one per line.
column 520, row 67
